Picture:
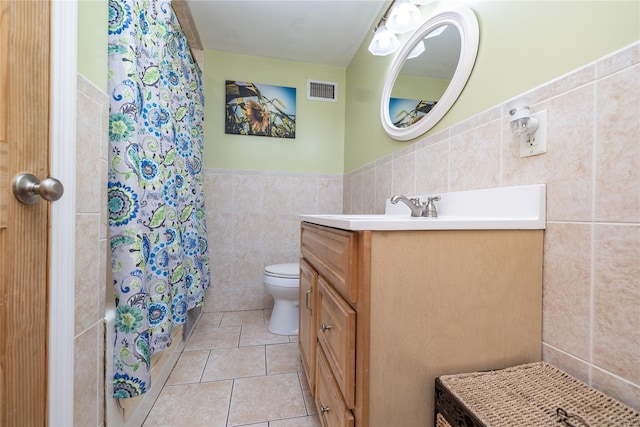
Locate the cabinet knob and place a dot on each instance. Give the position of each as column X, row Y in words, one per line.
column 325, row 327
column 324, row 409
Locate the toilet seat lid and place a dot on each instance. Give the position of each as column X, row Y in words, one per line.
column 289, row 271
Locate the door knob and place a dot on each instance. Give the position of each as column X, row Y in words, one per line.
column 28, row 189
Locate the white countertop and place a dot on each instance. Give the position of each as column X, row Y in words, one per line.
column 396, row 223
column 505, row 208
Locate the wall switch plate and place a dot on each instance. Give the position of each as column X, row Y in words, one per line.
column 537, row 143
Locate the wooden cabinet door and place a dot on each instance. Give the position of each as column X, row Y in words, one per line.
column 307, row 323
column 337, row 337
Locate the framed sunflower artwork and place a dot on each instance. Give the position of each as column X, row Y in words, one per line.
column 258, row 109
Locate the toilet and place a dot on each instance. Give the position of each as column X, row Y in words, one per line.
column 283, row 283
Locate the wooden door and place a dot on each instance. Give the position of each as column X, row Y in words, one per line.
column 24, row 133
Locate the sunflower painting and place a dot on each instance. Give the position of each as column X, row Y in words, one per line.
column 257, row 109
column 405, row 112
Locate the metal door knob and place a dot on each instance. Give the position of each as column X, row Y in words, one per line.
column 28, row 189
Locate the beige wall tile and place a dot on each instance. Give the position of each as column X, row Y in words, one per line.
column 567, row 288
column 571, row 365
column 612, row 386
column 304, row 197
column 329, row 196
column 616, row 61
column 86, row 395
column 590, row 301
column 88, row 144
column 383, row 184
column 277, row 194
column 275, row 232
column 475, row 158
column 617, row 148
column 567, row 167
column 218, row 188
column 357, row 189
column 616, row 335
column 369, row 190
column 248, row 193
column 432, row 168
column 220, row 230
column 404, row 174
column 90, row 285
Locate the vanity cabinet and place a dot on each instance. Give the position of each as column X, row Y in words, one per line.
column 393, row 310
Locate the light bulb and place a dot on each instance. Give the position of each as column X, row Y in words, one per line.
column 384, row 42
column 404, row 17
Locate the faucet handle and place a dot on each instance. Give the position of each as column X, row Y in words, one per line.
column 431, row 207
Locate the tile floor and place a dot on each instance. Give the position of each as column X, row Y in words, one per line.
column 234, row 372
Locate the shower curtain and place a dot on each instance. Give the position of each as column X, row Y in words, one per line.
column 155, row 200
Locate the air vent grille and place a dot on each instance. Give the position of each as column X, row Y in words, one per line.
column 322, row 91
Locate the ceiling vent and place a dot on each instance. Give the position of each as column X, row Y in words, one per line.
column 322, row 91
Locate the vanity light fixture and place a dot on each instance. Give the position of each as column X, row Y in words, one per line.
column 531, row 128
column 400, row 17
column 384, row 42
column 404, row 17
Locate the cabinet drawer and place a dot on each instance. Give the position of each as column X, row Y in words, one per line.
column 331, row 408
column 332, row 253
column 337, row 337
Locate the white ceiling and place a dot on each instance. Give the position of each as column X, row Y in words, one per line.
column 326, row 32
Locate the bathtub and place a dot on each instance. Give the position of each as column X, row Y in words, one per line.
column 133, row 411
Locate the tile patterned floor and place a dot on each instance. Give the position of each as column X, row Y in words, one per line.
column 234, row 372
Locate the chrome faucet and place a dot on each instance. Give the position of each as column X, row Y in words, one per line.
column 418, row 209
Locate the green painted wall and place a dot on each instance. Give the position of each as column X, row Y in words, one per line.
column 93, row 16
column 523, row 44
column 554, row 38
column 319, row 143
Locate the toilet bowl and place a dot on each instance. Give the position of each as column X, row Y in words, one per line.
column 283, row 283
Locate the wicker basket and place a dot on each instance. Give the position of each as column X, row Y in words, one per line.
column 535, row 394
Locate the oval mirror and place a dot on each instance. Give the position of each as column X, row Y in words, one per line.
column 429, row 73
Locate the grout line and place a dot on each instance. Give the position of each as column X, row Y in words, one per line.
column 204, row 368
column 266, row 362
column 233, row 383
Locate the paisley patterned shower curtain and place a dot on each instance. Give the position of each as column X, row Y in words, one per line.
column 156, row 206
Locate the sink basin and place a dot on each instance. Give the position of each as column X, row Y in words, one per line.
column 512, row 208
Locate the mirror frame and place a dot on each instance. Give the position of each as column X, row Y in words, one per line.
column 464, row 19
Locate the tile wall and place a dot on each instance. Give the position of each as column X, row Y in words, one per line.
column 591, row 289
column 252, row 220
column 91, row 248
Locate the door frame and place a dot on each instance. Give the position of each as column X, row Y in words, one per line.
column 63, row 82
